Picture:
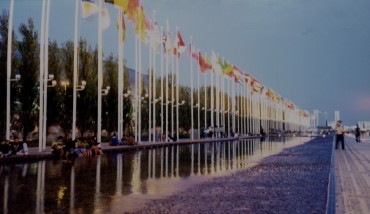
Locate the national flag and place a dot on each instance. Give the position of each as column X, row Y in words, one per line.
column 227, row 69
column 256, row 85
column 194, row 55
column 89, row 8
column 167, row 44
column 155, row 37
column 216, row 65
column 239, row 75
column 122, row 18
column 119, row 3
column 105, row 18
column 179, row 46
column 142, row 25
column 204, row 66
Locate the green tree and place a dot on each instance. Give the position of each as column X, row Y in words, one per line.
column 4, row 20
column 65, row 118
column 87, row 99
column 111, row 100
column 56, row 94
column 28, row 93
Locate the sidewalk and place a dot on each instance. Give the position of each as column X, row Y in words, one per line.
column 352, row 176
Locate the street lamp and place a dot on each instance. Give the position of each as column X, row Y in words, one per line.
column 17, row 78
column 64, row 83
column 82, row 86
column 74, row 111
column 105, row 91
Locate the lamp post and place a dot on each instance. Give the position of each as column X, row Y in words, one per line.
column 53, row 84
column 74, row 113
column 17, row 78
column 177, row 118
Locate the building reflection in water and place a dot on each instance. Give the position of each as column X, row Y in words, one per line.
column 121, row 182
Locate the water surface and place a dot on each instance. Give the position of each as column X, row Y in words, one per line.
column 121, row 182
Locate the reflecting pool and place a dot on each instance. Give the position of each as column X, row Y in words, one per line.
column 119, row 182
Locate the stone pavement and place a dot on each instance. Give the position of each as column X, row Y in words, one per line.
column 352, row 176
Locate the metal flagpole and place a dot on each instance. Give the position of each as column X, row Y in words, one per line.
column 9, row 67
column 198, row 96
column 172, row 93
column 46, row 73
column 75, row 55
column 42, row 75
column 100, row 71
column 120, row 74
column 140, row 79
column 191, row 90
column 154, row 81
column 205, row 101
column 150, row 72
column 166, row 86
column 162, row 98
column 177, row 87
column 212, row 101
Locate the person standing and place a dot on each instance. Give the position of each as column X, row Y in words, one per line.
column 357, row 133
column 339, row 136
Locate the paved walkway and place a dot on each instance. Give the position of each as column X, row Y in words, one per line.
column 352, row 169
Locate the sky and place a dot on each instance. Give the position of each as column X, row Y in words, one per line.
column 315, row 53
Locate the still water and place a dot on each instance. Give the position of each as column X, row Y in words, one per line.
column 119, row 182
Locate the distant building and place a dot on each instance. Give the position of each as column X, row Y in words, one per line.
column 336, row 116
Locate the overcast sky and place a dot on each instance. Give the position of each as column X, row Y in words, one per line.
column 316, row 53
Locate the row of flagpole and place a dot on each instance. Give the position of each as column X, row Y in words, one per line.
column 248, row 105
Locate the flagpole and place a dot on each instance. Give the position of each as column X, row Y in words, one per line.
column 154, row 90
column 162, row 98
column 140, row 75
column 150, row 88
column 100, row 71
column 75, row 46
column 177, row 87
column 212, row 102
column 198, row 96
column 9, row 67
column 172, row 93
column 191, row 89
column 120, row 74
column 46, row 73
column 41, row 76
column 136, row 97
column 205, row 101
column 229, row 99
column 166, row 87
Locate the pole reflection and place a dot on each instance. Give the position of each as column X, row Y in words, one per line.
column 122, row 182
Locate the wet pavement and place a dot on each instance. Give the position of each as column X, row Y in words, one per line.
column 293, row 181
column 353, row 177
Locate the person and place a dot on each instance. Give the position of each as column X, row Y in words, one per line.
column 262, row 132
column 357, row 133
column 114, row 140
column 339, row 136
column 19, row 148
column 164, row 137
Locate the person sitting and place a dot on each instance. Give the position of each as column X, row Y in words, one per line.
column 5, row 148
column 131, row 140
column 94, row 147
column 164, row 137
column 18, row 148
column 114, row 140
column 57, row 147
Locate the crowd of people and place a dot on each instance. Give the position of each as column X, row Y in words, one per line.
column 13, row 147
column 68, row 150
